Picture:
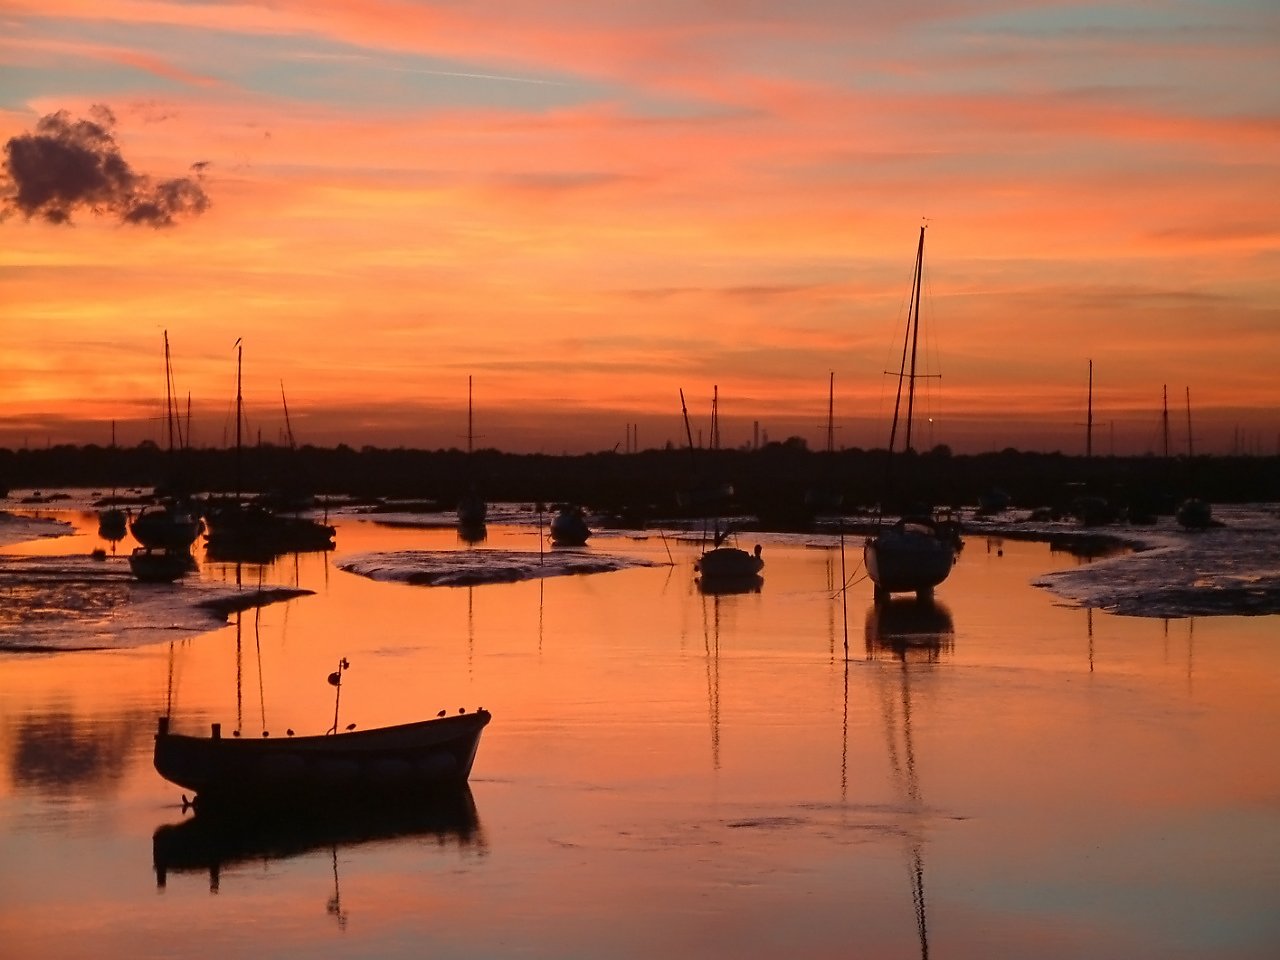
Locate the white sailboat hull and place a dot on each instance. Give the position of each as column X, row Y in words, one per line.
column 908, row 559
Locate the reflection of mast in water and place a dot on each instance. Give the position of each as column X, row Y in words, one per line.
column 1089, row 622
column 903, row 764
column 915, row 632
column 711, row 644
column 239, row 681
column 334, row 906
column 471, row 627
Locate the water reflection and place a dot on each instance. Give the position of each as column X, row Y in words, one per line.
column 1088, row 546
column 909, row 628
column 722, row 586
column 59, row 753
column 472, row 533
column 209, row 844
column 896, row 709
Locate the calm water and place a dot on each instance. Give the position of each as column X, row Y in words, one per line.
column 668, row 773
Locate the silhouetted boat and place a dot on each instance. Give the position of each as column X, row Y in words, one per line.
column 825, row 497
column 173, row 524
column 386, row 763
column 161, row 565
column 381, row 765
column 569, row 527
column 252, row 531
column 248, row 530
column 1194, row 514
column 113, row 522
column 729, row 563
column 917, row 553
column 473, row 511
column 169, row 526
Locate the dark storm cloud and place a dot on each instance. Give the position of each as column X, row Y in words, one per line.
column 68, row 165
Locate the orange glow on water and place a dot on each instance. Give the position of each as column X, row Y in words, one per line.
column 712, row 755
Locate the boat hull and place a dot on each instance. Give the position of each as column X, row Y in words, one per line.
column 569, row 529
column 388, row 762
column 168, row 528
column 249, row 531
column 908, row 560
column 729, row 563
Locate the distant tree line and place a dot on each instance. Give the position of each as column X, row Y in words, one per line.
column 776, row 481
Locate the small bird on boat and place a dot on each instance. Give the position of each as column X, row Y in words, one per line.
column 350, row 727
column 289, row 731
column 441, row 713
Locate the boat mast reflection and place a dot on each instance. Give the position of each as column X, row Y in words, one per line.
column 916, row 632
column 711, row 647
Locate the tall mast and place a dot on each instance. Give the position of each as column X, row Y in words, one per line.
column 1190, row 447
column 469, row 433
column 1088, row 427
column 831, row 413
column 1166, row 421
column 715, row 417
column 239, row 414
column 168, row 391
column 288, row 427
column 915, row 335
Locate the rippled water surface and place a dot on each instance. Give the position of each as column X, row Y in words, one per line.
column 783, row 772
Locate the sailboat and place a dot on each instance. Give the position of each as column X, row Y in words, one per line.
column 569, row 526
column 825, row 497
column 722, row 563
column 165, row 532
column 113, row 522
column 472, row 509
column 251, row 531
column 917, row 553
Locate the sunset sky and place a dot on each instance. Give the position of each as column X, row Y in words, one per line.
column 588, row 207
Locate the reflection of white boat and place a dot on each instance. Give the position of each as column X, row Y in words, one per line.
column 909, row 628
column 916, row 554
column 569, row 527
